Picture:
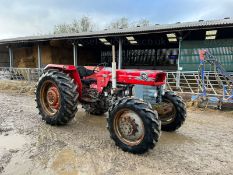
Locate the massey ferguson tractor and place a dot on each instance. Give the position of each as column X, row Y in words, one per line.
column 134, row 125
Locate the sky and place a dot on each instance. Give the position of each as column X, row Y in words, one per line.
column 32, row 17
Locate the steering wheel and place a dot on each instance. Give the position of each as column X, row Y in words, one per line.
column 101, row 64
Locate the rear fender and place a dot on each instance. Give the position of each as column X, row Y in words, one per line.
column 71, row 70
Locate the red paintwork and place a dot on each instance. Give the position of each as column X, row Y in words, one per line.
column 202, row 54
column 53, row 97
column 125, row 76
column 128, row 76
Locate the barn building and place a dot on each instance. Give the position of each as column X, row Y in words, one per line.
column 168, row 47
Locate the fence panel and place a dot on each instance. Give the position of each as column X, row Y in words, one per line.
column 190, row 82
column 24, row 74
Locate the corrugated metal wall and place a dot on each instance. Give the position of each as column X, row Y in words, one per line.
column 136, row 57
column 222, row 49
column 145, row 58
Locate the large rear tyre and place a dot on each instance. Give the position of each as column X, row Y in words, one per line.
column 172, row 112
column 133, row 126
column 56, row 97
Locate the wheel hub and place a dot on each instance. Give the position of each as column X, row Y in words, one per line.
column 164, row 108
column 130, row 127
column 52, row 96
column 166, row 111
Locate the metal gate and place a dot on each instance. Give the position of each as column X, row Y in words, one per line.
column 189, row 82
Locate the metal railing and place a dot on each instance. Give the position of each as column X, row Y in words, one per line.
column 23, row 74
column 189, row 82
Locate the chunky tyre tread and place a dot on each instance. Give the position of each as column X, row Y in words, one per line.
column 68, row 95
column 181, row 113
column 150, row 119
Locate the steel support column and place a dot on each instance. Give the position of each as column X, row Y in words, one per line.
column 75, row 54
column 113, row 67
column 39, row 57
column 11, row 57
column 120, row 54
column 178, row 65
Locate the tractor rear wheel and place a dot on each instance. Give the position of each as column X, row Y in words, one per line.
column 56, row 97
column 133, row 126
column 172, row 112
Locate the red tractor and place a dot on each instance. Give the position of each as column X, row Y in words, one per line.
column 134, row 124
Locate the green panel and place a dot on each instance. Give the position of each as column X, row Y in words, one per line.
column 221, row 49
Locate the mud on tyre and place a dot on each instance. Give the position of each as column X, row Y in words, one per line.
column 56, row 97
column 133, row 126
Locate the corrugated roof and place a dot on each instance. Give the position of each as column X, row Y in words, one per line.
column 129, row 31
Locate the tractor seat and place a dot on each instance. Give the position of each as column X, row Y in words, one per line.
column 84, row 72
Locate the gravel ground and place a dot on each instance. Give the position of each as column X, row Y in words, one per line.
column 28, row 146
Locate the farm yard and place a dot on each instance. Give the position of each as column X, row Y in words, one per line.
column 113, row 88
column 28, row 146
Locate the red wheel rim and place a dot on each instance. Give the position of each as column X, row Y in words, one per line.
column 50, row 98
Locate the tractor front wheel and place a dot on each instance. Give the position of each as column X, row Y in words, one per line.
column 133, row 126
column 56, row 97
column 172, row 112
